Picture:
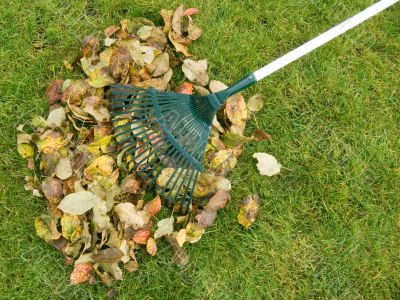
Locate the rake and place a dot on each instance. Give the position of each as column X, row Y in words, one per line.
column 167, row 133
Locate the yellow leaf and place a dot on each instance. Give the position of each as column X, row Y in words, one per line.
column 178, row 46
column 25, row 150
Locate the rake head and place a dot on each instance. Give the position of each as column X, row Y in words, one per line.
column 163, row 133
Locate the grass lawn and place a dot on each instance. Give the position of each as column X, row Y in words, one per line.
column 330, row 223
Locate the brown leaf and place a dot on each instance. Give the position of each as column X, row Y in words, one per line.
column 131, row 185
column 109, row 255
column 236, row 109
column 54, row 91
column 177, row 19
column 206, row 218
column 249, row 210
column 119, row 63
column 81, row 273
column 141, row 236
column 109, row 31
column 259, row 135
column 153, row 207
column 219, row 200
column 91, row 45
column 52, row 189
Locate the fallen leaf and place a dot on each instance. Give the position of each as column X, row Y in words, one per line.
column 56, row 117
column 194, row 232
column 54, row 91
column 108, row 256
column 167, row 17
column 25, row 150
column 77, row 203
column 128, row 215
column 255, row 103
column 206, row 218
column 131, row 185
column 179, row 47
column 236, row 109
column 267, row 164
column 119, row 63
column 164, row 227
column 141, row 236
column 64, row 169
column 153, row 207
column 177, row 19
column 161, row 65
column 223, row 162
column 185, row 88
column 151, row 246
column 81, row 273
column 196, row 71
column 52, row 189
column 259, row 135
column 219, row 200
column 249, row 210
column 234, row 140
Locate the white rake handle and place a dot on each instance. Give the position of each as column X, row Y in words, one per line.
column 323, row 38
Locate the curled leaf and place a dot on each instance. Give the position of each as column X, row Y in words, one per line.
column 267, row 164
column 249, row 210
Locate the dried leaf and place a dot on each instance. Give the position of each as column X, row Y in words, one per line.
column 81, row 273
column 161, row 65
column 54, row 91
column 234, row 140
column 219, row 200
column 177, row 19
column 236, row 109
column 56, row 117
column 194, row 232
column 179, row 47
column 191, row 11
column 141, row 236
column 206, row 218
column 223, row 162
column 196, row 71
column 52, row 189
column 255, row 103
column 185, row 88
column 153, row 207
column 167, row 17
column 259, row 135
column 108, row 256
column 64, row 169
column 249, row 210
column 77, row 203
column 128, row 215
column 119, row 62
column 131, row 185
column 267, row 164
column 164, row 227
column 151, row 246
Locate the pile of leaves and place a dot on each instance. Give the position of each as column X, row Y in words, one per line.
column 99, row 215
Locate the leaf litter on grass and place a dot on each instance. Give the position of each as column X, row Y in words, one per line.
column 98, row 215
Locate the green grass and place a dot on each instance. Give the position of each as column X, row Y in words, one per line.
column 329, row 226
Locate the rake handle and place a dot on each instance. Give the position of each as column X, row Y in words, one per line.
column 310, row 46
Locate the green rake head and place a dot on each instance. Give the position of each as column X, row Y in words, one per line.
column 158, row 130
